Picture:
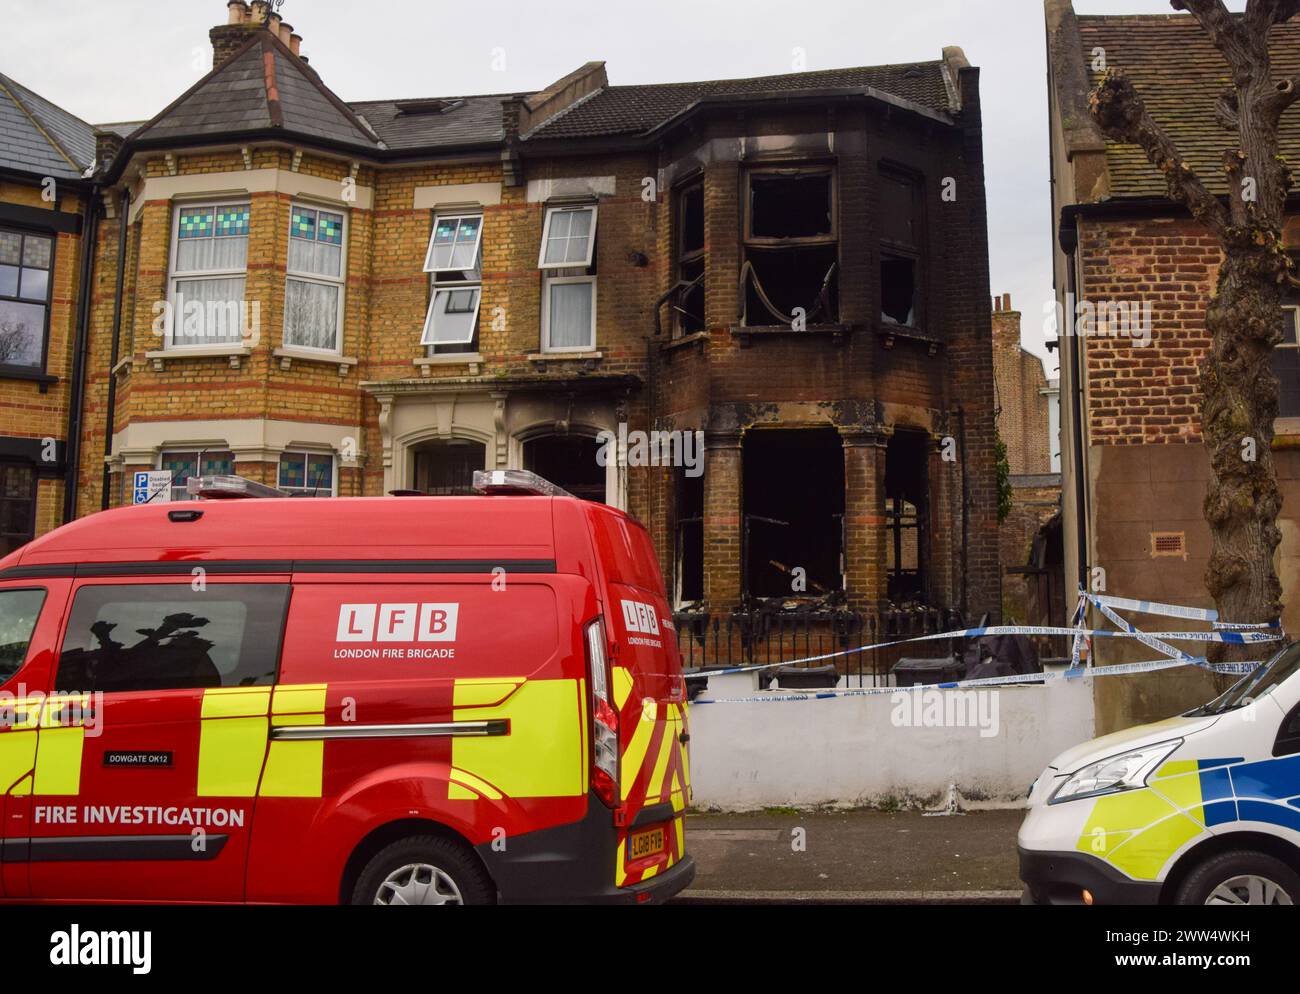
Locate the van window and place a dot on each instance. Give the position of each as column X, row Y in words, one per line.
column 1256, row 684
column 1288, row 736
column 19, row 610
column 168, row 636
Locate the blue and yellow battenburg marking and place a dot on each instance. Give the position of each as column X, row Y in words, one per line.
column 1138, row 831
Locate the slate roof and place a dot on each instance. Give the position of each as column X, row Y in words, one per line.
column 261, row 87
column 1179, row 73
column 39, row 138
column 465, row 121
column 624, row 110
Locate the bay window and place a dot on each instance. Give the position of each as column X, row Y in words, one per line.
column 308, row 474
column 209, row 267
column 313, row 293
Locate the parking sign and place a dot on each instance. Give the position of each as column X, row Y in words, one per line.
column 152, row 486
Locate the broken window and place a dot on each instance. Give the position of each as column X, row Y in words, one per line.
column 446, row 466
column 793, row 525
column 907, row 502
column 791, row 249
column 570, row 462
column 900, row 250
column 455, row 260
column 688, row 307
column 689, row 558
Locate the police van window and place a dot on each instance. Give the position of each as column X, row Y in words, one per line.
column 1256, row 684
column 169, row 636
column 1288, row 736
column 19, row 610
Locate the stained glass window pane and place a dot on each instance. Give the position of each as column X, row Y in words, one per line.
column 302, row 224
column 37, row 251
column 195, row 222
column 10, row 247
column 330, row 229
column 232, row 222
column 293, row 469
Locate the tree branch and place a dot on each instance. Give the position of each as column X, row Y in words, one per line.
column 1263, row 14
column 1230, row 37
column 1122, row 116
column 1285, row 94
column 1227, row 110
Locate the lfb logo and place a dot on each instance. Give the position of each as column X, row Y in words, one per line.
column 397, row 622
column 638, row 617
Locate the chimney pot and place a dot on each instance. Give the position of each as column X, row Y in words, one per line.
column 274, row 24
column 295, row 42
column 286, row 32
column 236, row 12
column 259, row 12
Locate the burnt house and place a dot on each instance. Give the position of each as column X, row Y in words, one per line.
column 752, row 312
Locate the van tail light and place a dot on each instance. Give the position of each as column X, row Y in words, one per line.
column 604, row 719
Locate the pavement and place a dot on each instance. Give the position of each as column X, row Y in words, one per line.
column 782, row 856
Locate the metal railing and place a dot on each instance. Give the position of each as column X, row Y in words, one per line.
column 749, row 638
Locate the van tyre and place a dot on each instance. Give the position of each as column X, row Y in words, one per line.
column 424, row 869
column 1240, row 877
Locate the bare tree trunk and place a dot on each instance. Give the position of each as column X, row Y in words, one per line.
column 1239, row 393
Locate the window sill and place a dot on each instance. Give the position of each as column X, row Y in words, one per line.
column 235, row 353
column 588, row 359
column 471, row 359
column 39, row 376
column 288, row 355
column 890, row 333
column 746, row 332
column 683, row 341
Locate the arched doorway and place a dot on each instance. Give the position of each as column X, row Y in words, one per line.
column 568, row 461
column 446, row 466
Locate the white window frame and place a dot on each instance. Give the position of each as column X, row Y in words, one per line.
column 331, row 491
column 551, row 211
column 436, row 288
column 546, row 313
column 173, row 277
column 340, row 281
column 461, row 215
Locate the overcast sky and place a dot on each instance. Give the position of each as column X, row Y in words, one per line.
column 122, row 60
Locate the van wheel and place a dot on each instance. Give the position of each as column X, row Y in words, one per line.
column 423, row 869
column 1241, row 877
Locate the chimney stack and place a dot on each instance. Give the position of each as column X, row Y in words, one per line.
column 242, row 20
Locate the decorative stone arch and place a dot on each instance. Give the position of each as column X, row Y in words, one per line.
column 615, row 468
column 405, row 446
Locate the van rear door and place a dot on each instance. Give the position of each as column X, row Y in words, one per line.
column 650, row 696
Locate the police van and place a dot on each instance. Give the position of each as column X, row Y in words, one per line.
column 392, row 700
column 1203, row 808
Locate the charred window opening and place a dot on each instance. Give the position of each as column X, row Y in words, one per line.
column 907, row 504
column 570, row 462
column 900, row 250
column 689, row 557
column 688, row 308
column 793, row 526
column 898, row 290
column 446, row 467
column 791, row 248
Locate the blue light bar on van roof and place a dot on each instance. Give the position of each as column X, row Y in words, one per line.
column 228, row 488
column 515, row 481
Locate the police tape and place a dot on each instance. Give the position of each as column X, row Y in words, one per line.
column 1076, row 673
column 1227, row 633
column 1227, row 637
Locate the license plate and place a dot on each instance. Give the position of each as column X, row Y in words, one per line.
column 641, row 845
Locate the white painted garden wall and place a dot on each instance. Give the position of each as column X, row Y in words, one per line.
column 849, row 751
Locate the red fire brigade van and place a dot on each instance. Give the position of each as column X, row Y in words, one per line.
column 393, row 700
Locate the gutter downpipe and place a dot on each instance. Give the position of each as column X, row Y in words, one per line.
column 77, row 398
column 123, row 210
column 1069, row 238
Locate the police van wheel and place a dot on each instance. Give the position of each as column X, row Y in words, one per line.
column 423, row 869
column 1241, row 877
